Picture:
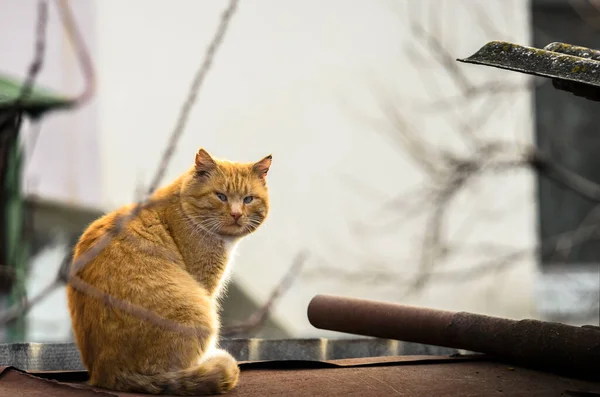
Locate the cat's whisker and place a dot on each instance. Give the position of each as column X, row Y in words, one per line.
column 216, row 226
column 210, row 223
column 199, row 227
column 199, row 230
column 254, row 223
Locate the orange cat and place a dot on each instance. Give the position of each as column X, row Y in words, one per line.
column 171, row 259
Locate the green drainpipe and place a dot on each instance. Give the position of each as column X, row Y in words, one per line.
column 15, row 240
column 15, row 244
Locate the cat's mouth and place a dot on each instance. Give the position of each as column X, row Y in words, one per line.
column 235, row 228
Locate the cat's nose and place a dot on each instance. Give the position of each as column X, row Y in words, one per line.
column 236, row 215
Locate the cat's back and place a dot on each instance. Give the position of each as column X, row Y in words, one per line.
column 99, row 228
column 141, row 253
column 139, row 266
column 94, row 232
column 143, row 229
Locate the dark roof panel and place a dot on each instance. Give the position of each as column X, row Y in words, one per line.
column 383, row 376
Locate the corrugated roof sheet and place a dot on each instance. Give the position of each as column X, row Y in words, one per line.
column 381, row 376
column 66, row 357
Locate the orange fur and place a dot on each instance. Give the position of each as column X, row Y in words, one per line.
column 170, row 259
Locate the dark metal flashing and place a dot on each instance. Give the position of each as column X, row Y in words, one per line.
column 65, row 356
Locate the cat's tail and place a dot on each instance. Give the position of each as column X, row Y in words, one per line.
column 215, row 375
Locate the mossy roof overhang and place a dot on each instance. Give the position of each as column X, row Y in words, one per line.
column 572, row 68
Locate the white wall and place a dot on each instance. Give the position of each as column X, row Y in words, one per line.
column 296, row 79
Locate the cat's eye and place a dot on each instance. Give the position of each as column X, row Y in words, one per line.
column 221, row 196
column 248, row 199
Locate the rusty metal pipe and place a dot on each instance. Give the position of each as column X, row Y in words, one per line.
column 545, row 345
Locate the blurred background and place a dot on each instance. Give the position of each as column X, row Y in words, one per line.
column 399, row 174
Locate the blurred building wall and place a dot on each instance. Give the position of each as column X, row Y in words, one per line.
column 304, row 81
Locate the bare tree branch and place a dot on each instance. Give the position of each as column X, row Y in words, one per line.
column 443, row 57
column 193, row 93
column 77, row 265
column 503, row 258
column 34, row 67
column 569, row 179
column 120, row 223
column 490, row 88
column 81, row 261
column 588, row 11
column 449, row 174
column 81, row 51
column 135, row 310
column 20, row 308
column 258, row 318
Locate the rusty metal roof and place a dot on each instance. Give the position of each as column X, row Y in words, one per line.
column 474, row 375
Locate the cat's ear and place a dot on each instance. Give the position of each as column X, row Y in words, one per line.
column 261, row 168
column 204, row 163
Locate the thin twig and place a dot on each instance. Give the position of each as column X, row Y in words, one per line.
column 20, row 308
column 121, row 221
column 23, row 307
column 443, row 57
column 584, row 10
column 491, row 88
column 503, row 261
column 569, row 179
column 40, row 48
column 135, row 310
column 172, row 143
column 193, row 93
column 453, row 172
column 120, row 224
column 258, row 318
column 81, row 51
column 584, row 231
column 34, row 67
